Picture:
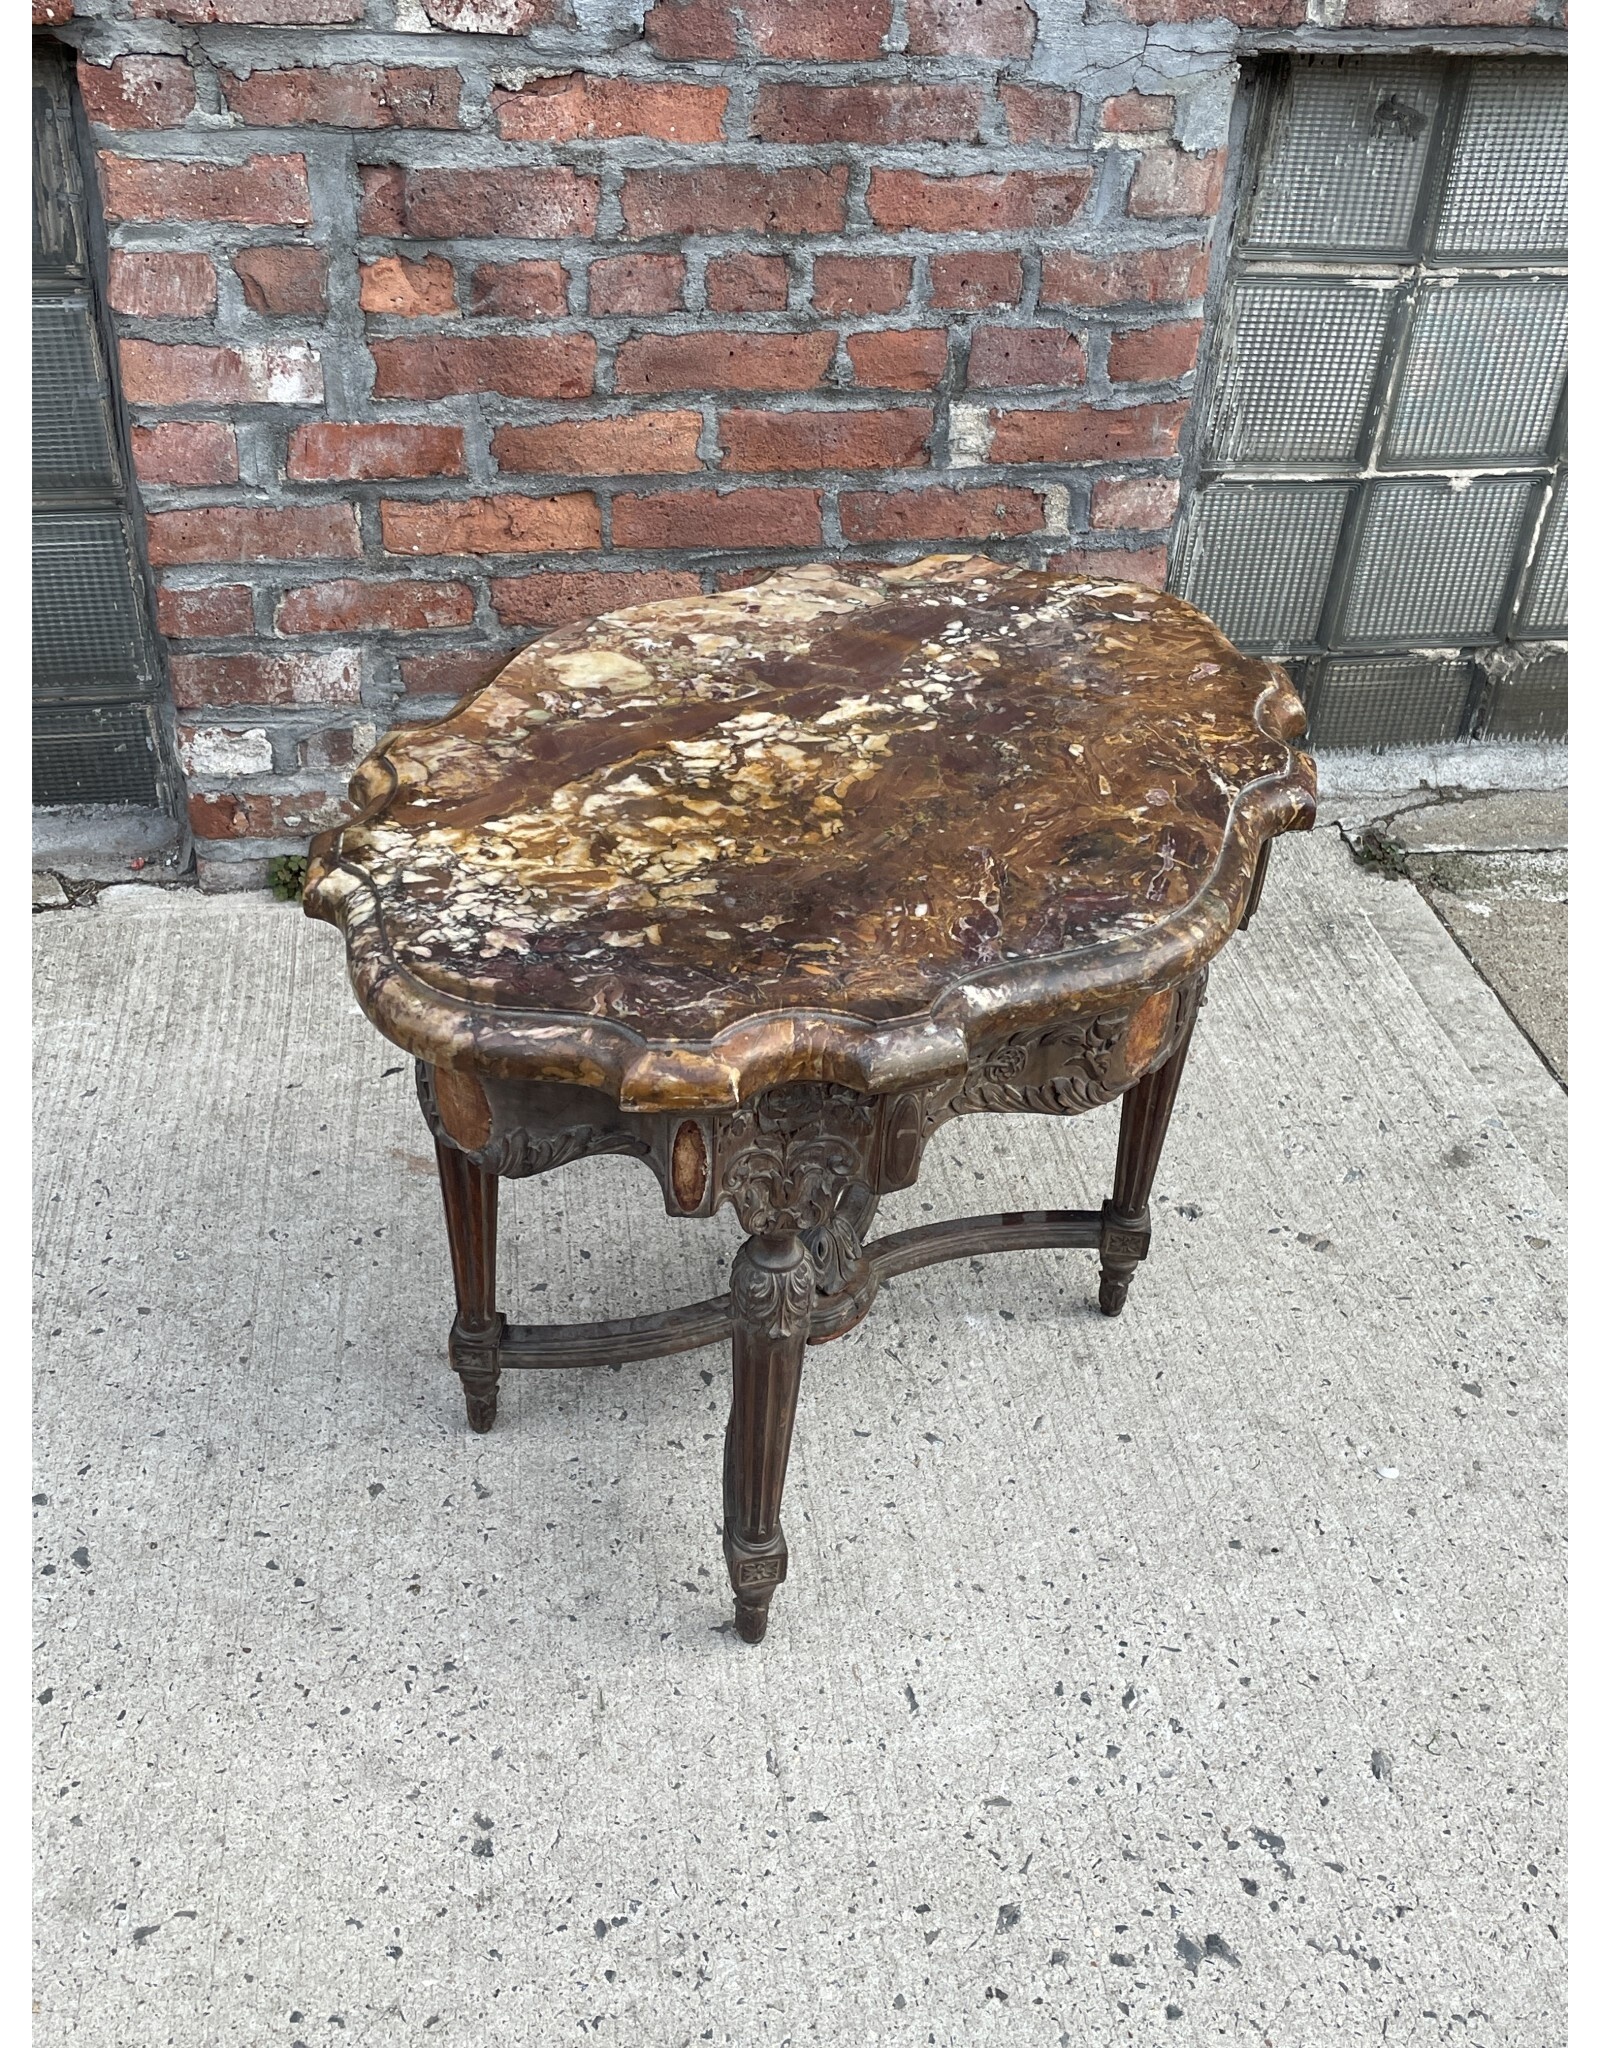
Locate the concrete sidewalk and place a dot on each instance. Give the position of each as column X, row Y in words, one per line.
column 1195, row 1677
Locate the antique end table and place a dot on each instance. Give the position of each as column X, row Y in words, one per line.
column 762, row 888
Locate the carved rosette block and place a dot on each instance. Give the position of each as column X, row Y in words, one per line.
column 786, row 1159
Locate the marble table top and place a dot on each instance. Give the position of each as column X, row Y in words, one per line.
column 846, row 815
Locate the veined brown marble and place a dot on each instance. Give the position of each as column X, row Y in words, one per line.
column 838, row 825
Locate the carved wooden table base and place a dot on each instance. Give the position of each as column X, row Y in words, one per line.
column 803, row 1165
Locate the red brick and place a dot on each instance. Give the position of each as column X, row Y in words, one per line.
column 1129, row 277
column 250, row 13
column 335, row 746
column 728, row 198
column 181, row 373
column 231, row 815
column 451, row 674
column 149, row 284
column 1115, row 565
column 881, row 114
column 1041, row 113
column 827, row 31
column 519, row 291
column 51, row 13
column 545, row 204
column 992, row 199
column 556, row 598
column 860, row 284
column 252, row 533
column 583, row 108
column 347, row 606
column 307, row 676
column 969, row 28
column 1138, row 113
column 1149, row 355
column 1433, row 14
column 900, row 359
column 560, row 366
column 1087, row 434
column 264, row 191
column 636, row 284
column 347, row 96
column 1013, row 356
column 400, row 285
column 1147, row 502
column 692, row 28
column 185, row 452
column 494, row 17
column 284, row 277
column 137, row 91
column 827, row 440
column 492, row 526
column 1171, row 182
column 213, row 614
column 714, row 519
column 643, row 444
column 989, row 512
column 974, row 277
column 710, row 361
column 335, row 451
column 383, row 199
column 747, row 283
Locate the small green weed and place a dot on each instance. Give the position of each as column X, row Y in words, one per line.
column 286, row 877
column 1375, row 849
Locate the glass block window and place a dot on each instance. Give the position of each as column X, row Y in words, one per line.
column 1381, row 500
column 100, row 723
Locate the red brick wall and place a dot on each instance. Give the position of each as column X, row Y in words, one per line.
column 444, row 321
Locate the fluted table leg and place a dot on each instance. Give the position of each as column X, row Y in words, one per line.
column 471, row 1210
column 1146, row 1112
column 773, row 1289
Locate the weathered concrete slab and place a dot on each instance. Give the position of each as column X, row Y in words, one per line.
column 97, row 842
column 1494, row 868
column 1193, row 1677
column 1399, row 772
column 1505, row 821
column 1518, row 943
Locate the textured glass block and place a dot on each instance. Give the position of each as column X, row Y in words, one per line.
column 1344, row 153
column 1371, row 704
column 1483, row 372
column 1432, row 561
column 72, row 440
column 1528, row 700
column 1256, row 557
column 88, row 620
column 1544, row 607
column 103, row 754
column 57, row 229
column 1298, row 357
column 1506, row 189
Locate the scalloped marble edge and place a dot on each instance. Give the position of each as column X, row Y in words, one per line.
column 773, row 1046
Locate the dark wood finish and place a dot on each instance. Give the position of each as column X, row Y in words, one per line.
column 471, row 1212
column 774, row 1284
column 764, row 889
column 1146, row 1112
column 1258, row 882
